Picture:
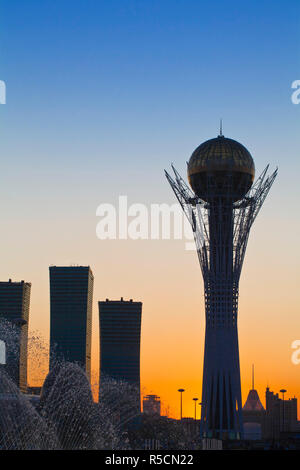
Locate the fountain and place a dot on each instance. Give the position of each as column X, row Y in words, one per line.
column 21, row 426
column 65, row 415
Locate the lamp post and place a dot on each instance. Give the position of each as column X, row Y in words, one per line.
column 195, row 400
column 200, row 403
column 181, row 390
column 283, row 391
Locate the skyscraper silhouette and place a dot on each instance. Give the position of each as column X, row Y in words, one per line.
column 14, row 307
column 71, row 296
column 120, row 333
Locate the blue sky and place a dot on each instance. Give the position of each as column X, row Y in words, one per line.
column 139, row 80
column 103, row 95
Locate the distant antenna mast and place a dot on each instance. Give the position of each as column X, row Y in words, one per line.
column 252, row 376
column 221, row 128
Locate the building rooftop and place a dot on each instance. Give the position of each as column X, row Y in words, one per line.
column 119, row 301
column 253, row 402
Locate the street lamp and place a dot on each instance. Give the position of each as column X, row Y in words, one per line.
column 195, row 400
column 200, row 403
column 181, row 390
column 283, row 391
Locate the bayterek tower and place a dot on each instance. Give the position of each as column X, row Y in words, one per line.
column 221, row 206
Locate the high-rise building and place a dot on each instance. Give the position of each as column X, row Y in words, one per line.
column 120, row 333
column 281, row 415
column 221, row 208
column 14, row 308
column 71, row 297
column 151, row 405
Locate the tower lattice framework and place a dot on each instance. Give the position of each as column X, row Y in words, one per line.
column 221, row 229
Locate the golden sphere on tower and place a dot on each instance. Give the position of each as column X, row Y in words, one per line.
column 221, row 167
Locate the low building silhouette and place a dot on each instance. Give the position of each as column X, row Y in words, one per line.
column 253, row 416
column 281, row 416
column 151, row 405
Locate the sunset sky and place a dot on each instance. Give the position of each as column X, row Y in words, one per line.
column 102, row 96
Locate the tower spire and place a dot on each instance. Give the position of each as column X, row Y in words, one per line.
column 252, row 376
column 221, row 128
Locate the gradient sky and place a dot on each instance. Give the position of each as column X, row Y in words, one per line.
column 101, row 97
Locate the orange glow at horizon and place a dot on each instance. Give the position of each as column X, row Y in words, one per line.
column 173, row 321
